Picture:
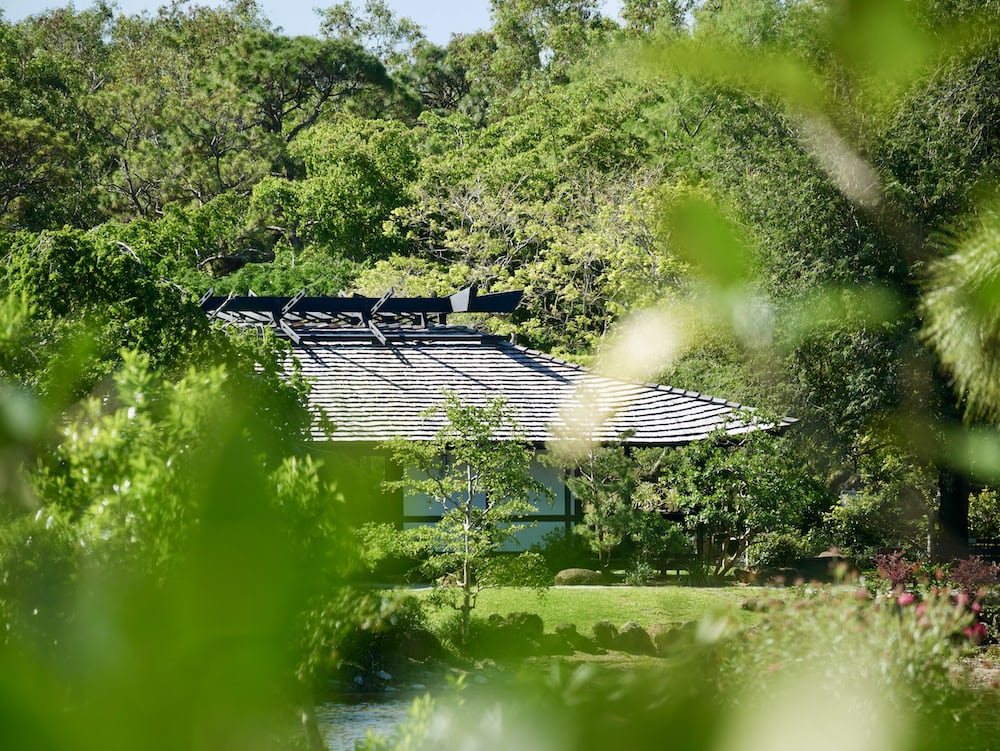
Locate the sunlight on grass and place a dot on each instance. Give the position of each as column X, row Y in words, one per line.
column 583, row 606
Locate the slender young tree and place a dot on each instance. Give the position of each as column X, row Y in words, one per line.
column 477, row 474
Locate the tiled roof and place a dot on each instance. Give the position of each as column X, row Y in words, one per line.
column 372, row 392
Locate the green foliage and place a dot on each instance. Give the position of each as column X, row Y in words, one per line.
column 387, row 37
column 293, row 81
column 92, row 296
column 357, row 174
column 563, row 548
column 778, row 549
column 604, row 483
column 648, row 16
column 816, row 657
column 734, row 489
column 553, row 199
column 476, row 474
column 730, row 491
column 960, row 307
column 984, row 514
column 168, row 533
column 904, row 647
column 806, row 185
column 868, row 522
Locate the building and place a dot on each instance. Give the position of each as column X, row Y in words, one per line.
column 376, row 366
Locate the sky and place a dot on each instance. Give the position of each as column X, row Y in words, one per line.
column 439, row 18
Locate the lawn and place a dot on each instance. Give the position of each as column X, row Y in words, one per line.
column 583, row 606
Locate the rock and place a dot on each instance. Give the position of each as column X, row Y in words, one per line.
column 517, row 634
column 554, row 644
column 578, row 576
column 528, row 624
column 605, row 634
column 664, row 637
column 576, row 641
column 635, row 640
column 744, row 576
column 778, row 576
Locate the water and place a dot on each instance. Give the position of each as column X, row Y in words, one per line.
column 344, row 722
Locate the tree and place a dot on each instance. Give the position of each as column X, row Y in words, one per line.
column 293, row 81
column 477, row 474
column 734, row 489
column 647, row 16
column 357, row 174
column 167, row 513
column 624, row 504
column 92, row 297
column 391, row 39
column 46, row 67
column 172, row 128
column 557, row 199
column 818, row 122
column 543, row 35
column 960, row 311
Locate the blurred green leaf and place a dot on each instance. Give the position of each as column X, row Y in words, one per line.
column 701, row 234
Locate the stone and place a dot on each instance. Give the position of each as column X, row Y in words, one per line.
column 554, row 644
column 576, row 641
column 635, row 640
column 778, row 576
column 528, row 624
column 664, row 637
column 605, row 634
column 571, row 577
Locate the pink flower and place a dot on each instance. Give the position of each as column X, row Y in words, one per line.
column 921, row 609
column 977, row 607
column 905, row 599
column 976, row 633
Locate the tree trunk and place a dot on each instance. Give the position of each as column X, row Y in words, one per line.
column 952, row 538
column 953, row 515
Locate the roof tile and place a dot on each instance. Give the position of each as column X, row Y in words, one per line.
column 374, row 392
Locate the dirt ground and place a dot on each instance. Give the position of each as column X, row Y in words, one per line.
column 985, row 669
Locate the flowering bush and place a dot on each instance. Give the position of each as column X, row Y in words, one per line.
column 966, row 582
column 900, row 646
column 894, row 568
column 856, row 671
column 973, row 575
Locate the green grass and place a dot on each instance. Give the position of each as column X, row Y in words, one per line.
column 583, row 606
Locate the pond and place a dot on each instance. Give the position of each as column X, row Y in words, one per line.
column 348, row 720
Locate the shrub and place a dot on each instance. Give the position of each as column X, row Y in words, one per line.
column 904, row 650
column 984, row 514
column 563, row 549
column 376, row 642
column 579, row 577
column 866, row 673
column 870, row 522
column 777, row 549
column 895, row 569
column 640, row 574
column 973, row 575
